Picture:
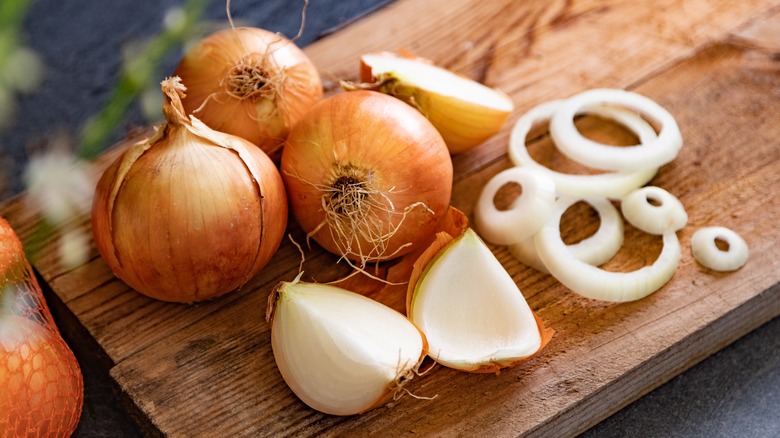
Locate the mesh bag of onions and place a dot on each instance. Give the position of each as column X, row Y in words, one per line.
column 41, row 386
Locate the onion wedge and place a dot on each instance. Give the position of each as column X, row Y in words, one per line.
column 340, row 352
column 470, row 309
column 465, row 112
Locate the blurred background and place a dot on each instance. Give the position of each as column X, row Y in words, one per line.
column 79, row 75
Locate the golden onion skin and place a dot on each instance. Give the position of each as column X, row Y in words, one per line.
column 183, row 218
column 406, row 158
column 264, row 119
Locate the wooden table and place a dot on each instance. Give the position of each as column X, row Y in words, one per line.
column 208, row 369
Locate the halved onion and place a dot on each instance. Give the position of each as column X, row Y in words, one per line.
column 646, row 154
column 472, row 313
column 465, row 112
column 611, row 185
column 598, row 284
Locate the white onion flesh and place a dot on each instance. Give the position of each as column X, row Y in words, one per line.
column 527, row 213
column 340, row 352
column 705, row 249
column 611, row 185
column 596, row 283
column 654, row 210
column 595, row 250
column 472, row 313
column 655, row 153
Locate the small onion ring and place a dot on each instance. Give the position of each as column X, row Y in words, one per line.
column 706, row 252
column 611, row 185
column 655, row 153
column 596, row 283
column 666, row 217
column 595, row 250
column 527, row 213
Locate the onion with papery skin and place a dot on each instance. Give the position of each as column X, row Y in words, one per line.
column 367, row 176
column 465, row 112
column 251, row 83
column 340, row 352
column 191, row 213
column 41, row 386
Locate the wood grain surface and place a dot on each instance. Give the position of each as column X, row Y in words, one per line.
column 208, row 370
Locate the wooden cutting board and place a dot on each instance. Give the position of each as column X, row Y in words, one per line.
column 208, row 370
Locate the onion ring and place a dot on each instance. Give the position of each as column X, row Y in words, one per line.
column 663, row 149
column 596, row 283
column 706, row 252
column 527, row 213
column 595, row 250
column 666, row 215
column 610, row 185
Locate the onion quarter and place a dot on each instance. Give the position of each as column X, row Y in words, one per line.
column 472, row 313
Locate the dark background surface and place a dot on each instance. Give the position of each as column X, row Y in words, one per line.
column 734, row 393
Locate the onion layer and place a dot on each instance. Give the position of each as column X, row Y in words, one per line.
column 583, row 186
column 571, row 143
column 654, row 210
column 368, row 177
column 598, row 284
column 251, row 83
column 527, row 213
column 705, row 249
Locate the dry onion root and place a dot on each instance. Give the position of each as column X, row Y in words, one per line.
column 465, row 112
column 705, row 249
column 472, row 313
column 251, row 83
column 340, row 352
column 191, row 213
column 367, row 176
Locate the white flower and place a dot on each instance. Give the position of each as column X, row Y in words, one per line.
column 59, row 186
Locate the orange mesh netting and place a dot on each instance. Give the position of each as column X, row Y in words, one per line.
column 41, row 386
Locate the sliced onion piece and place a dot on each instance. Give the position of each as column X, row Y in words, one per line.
column 340, row 352
column 527, row 213
column 611, row 185
column 596, row 283
column 705, row 249
column 654, row 210
column 595, row 250
column 573, row 144
column 471, row 311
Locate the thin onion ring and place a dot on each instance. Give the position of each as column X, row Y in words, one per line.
column 706, row 252
column 596, row 283
column 663, row 149
column 666, row 217
column 527, row 213
column 595, row 250
column 611, row 185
